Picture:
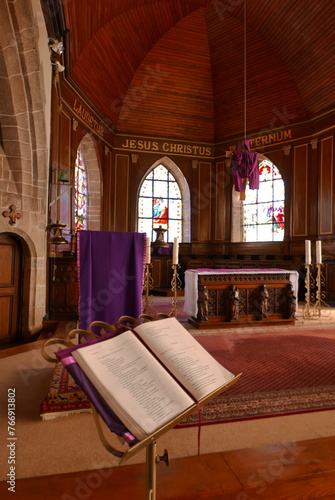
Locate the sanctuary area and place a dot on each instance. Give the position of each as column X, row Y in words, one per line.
column 171, row 158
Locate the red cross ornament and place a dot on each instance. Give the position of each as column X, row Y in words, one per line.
column 13, row 215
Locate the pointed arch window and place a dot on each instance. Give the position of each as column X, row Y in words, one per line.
column 80, row 193
column 263, row 210
column 160, row 204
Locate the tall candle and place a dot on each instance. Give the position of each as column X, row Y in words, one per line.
column 148, row 251
column 175, row 251
column 308, row 252
column 318, row 252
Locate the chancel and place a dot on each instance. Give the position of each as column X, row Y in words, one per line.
column 176, row 160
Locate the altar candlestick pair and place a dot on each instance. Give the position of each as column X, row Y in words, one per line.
column 308, row 252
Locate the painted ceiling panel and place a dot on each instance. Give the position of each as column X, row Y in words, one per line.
column 203, row 70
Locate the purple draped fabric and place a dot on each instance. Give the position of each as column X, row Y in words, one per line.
column 165, row 250
column 110, row 271
column 245, row 166
column 107, row 414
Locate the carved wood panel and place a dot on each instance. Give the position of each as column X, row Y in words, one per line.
column 300, row 191
column 64, row 291
column 259, row 299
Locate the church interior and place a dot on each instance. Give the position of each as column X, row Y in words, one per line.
column 130, row 116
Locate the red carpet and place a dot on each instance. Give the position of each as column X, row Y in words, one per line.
column 282, row 373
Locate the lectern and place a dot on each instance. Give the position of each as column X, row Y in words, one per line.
column 102, row 411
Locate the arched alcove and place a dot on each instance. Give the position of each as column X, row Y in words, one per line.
column 259, row 215
column 89, row 154
column 185, row 192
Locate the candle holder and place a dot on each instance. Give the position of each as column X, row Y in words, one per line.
column 309, row 280
column 320, row 291
column 175, row 287
column 148, row 285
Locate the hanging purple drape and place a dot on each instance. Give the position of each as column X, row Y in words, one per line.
column 245, row 166
column 110, row 273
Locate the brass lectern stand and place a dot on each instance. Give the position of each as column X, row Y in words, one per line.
column 150, row 442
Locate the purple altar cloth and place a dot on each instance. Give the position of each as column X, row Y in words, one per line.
column 110, row 271
column 106, row 413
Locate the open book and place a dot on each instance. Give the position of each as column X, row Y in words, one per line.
column 152, row 374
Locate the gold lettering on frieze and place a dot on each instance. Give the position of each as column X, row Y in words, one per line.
column 87, row 118
column 166, row 147
column 266, row 139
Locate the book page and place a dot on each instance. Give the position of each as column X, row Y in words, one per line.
column 184, row 357
column 134, row 384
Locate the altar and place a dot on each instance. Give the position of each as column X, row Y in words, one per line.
column 242, row 297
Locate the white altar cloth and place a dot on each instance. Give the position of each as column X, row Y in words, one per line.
column 191, row 283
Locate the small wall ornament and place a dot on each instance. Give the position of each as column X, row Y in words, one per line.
column 12, row 214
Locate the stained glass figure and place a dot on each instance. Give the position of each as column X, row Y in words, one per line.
column 80, row 193
column 263, row 214
column 160, row 204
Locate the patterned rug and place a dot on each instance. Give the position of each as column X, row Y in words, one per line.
column 283, row 372
column 64, row 396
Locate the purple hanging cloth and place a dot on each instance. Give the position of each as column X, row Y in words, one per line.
column 110, row 272
column 245, row 166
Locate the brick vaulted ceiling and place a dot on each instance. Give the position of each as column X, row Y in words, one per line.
column 177, row 68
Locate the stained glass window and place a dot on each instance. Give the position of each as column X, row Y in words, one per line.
column 80, row 194
column 263, row 214
column 160, row 204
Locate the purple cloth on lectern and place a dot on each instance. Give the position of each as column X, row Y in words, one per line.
column 165, row 250
column 106, row 413
column 110, row 275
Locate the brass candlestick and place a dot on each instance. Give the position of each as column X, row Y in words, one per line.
column 320, row 291
column 148, row 285
column 307, row 307
column 175, row 287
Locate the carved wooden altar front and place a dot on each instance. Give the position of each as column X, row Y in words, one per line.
column 241, row 298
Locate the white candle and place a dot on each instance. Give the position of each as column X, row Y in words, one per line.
column 318, row 252
column 148, row 251
column 175, row 251
column 308, row 252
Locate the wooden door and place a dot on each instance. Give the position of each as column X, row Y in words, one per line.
column 10, row 277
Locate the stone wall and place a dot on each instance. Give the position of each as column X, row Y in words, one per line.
column 25, row 83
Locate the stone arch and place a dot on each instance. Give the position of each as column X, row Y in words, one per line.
column 24, row 71
column 12, row 115
column 185, row 192
column 88, row 149
column 9, row 195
